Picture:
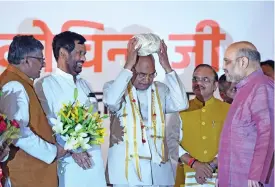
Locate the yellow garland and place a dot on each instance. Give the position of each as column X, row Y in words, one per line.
column 126, row 142
column 162, row 122
column 136, row 156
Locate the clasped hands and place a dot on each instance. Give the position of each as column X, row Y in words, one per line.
column 82, row 159
column 203, row 171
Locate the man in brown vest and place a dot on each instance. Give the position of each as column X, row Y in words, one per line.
column 31, row 161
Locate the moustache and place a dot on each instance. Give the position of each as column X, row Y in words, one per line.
column 198, row 87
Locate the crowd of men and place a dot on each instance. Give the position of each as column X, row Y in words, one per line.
column 225, row 143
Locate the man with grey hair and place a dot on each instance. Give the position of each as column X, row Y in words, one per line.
column 247, row 140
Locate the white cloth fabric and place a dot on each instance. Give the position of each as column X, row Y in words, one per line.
column 190, row 180
column 53, row 91
column 15, row 104
column 150, row 43
column 173, row 137
column 173, row 98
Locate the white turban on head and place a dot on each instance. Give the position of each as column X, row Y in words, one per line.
column 150, row 43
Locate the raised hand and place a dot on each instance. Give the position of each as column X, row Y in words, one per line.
column 163, row 57
column 132, row 53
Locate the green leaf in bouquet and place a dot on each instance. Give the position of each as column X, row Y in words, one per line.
column 75, row 93
column 8, row 123
column 14, row 136
column 87, row 123
column 62, row 119
column 91, row 127
column 69, row 121
column 91, row 108
column 80, row 115
column 105, row 116
column 93, row 142
column 71, row 130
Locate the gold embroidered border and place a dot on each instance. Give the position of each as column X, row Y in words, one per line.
column 135, row 133
column 162, row 123
column 126, row 142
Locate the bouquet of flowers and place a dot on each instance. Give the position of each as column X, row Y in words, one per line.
column 9, row 130
column 78, row 126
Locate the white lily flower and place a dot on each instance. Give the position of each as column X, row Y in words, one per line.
column 78, row 128
column 84, row 143
column 73, row 134
column 83, row 134
column 58, row 127
column 71, row 144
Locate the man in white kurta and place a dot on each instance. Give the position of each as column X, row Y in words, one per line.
column 57, row 89
column 138, row 106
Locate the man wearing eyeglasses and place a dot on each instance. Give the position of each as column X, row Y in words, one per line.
column 138, row 105
column 201, row 127
column 32, row 157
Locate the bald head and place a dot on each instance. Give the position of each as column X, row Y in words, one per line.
column 244, row 49
column 243, row 44
column 240, row 60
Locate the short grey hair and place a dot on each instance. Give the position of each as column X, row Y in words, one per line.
column 251, row 54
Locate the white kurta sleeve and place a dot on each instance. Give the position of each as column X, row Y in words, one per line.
column 17, row 100
column 176, row 97
column 182, row 151
column 45, row 92
column 113, row 91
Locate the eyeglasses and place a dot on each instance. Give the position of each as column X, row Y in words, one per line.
column 202, row 79
column 144, row 75
column 41, row 59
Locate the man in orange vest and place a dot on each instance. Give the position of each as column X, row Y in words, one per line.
column 31, row 161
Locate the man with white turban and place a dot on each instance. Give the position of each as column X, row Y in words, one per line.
column 138, row 154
